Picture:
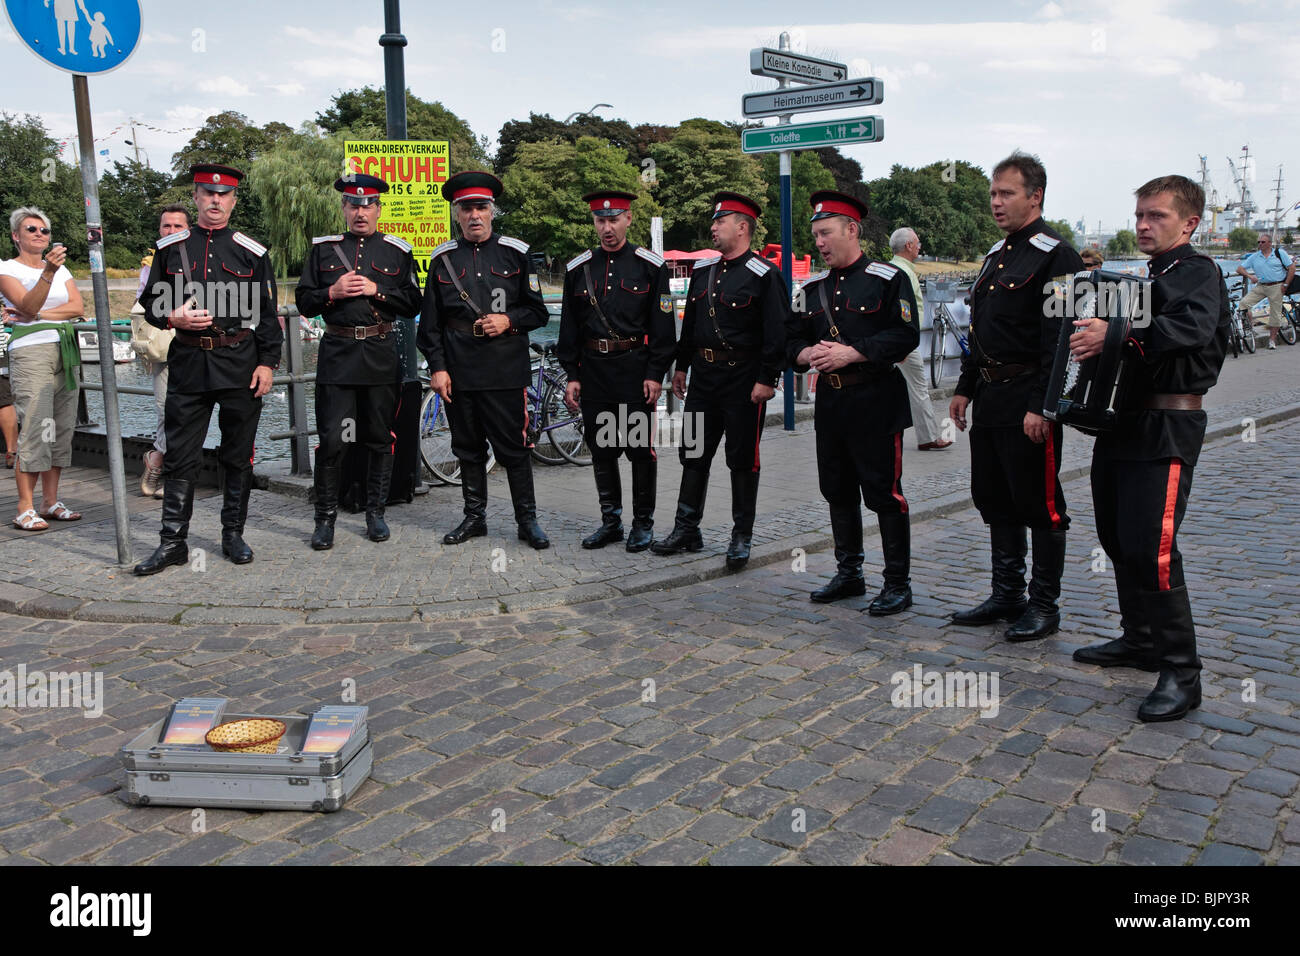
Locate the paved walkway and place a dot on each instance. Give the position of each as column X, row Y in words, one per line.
column 727, row 722
column 71, row 571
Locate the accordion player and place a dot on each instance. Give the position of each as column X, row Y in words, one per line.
column 1089, row 395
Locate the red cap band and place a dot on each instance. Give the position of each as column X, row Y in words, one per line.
column 614, row 202
column 472, row 192
column 733, row 205
column 834, row 206
column 215, row 179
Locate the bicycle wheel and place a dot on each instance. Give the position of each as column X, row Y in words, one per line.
column 562, row 427
column 544, row 449
column 938, row 337
column 1248, row 332
column 1287, row 332
column 435, row 440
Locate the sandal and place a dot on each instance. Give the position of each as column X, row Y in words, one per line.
column 29, row 520
column 61, row 512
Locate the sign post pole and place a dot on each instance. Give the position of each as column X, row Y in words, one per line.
column 104, row 321
column 787, row 246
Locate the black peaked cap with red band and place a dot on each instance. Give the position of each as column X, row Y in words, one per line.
column 726, row 202
column 827, row 202
column 360, row 189
column 471, row 187
column 609, row 202
column 215, row 177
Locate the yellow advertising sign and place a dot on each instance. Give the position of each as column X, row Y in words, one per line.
column 414, row 209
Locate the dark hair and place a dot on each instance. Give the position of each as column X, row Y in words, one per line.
column 176, row 207
column 1031, row 171
column 753, row 223
column 1189, row 197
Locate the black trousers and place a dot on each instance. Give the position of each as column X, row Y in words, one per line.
column 186, row 419
column 706, row 418
column 491, row 415
column 850, row 462
column 354, row 415
column 613, row 429
column 1139, row 507
column 1015, row 481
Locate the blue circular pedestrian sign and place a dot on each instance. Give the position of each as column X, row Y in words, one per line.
column 80, row 36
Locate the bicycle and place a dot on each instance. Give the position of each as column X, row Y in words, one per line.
column 1290, row 322
column 548, row 416
column 942, row 293
column 1241, row 327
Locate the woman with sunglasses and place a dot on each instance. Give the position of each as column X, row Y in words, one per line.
column 41, row 302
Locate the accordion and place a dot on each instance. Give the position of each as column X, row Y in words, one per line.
column 1089, row 395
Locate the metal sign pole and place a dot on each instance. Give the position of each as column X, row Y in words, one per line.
column 787, row 243
column 103, row 320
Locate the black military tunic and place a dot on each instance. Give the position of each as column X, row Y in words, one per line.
column 748, row 304
column 631, row 285
column 232, row 278
column 860, row 424
column 357, row 379
column 498, row 277
column 1013, row 344
column 1142, row 469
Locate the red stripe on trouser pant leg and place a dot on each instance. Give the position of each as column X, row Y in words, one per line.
column 896, row 491
column 1165, row 554
column 1049, row 479
column 525, row 432
column 392, row 445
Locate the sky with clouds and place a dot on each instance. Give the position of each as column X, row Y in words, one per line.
column 1109, row 93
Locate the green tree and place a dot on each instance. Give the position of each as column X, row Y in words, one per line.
column 34, row 175
column 129, row 200
column 702, row 158
column 916, row 198
column 807, row 175
column 294, row 181
column 1063, row 227
column 1242, row 239
column 1124, row 243
column 544, row 188
column 230, row 139
column 366, row 107
column 543, row 128
column 847, row 172
column 1288, row 238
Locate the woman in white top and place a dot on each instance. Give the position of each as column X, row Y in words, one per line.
column 41, row 301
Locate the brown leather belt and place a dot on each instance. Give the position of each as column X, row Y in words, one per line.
column 1169, row 402
column 842, row 379
column 731, row 356
column 1278, row 282
column 465, row 325
column 209, row 342
column 359, row 331
column 1003, row 373
column 605, row 346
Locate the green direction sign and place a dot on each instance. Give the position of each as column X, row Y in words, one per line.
column 770, row 139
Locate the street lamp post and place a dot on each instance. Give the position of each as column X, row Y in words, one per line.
column 568, row 119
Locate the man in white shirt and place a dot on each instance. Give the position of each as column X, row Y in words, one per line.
column 906, row 247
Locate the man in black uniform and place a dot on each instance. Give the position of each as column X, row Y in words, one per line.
column 733, row 343
column 362, row 283
column 616, row 342
column 1142, row 470
column 480, row 301
column 1015, row 451
column 216, row 288
column 861, row 318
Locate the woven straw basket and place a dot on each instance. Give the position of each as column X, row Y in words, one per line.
column 257, row 735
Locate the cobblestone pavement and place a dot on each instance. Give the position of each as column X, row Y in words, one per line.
column 727, row 722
